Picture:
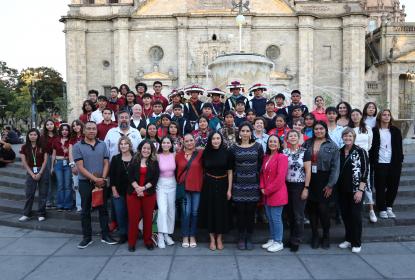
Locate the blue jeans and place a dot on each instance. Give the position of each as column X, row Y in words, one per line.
column 120, row 206
column 64, row 187
column 276, row 227
column 51, row 192
column 190, row 208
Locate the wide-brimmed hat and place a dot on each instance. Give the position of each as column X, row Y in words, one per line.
column 216, row 91
column 235, row 84
column 258, row 86
column 175, row 92
column 194, row 88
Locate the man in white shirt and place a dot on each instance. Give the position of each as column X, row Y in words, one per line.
column 123, row 129
column 96, row 116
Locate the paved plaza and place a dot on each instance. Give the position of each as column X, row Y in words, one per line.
column 30, row 254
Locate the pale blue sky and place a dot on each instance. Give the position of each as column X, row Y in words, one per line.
column 31, row 34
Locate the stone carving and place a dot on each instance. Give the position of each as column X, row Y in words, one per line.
column 156, row 53
column 273, row 52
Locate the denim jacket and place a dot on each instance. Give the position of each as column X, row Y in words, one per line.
column 328, row 159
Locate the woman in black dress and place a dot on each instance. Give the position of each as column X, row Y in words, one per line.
column 216, row 191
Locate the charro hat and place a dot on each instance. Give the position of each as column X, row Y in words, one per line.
column 235, row 84
column 258, row 86
column 216, row 91
column 194, row 88
column 175, row 92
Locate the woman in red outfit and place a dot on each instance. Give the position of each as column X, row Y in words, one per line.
column 141, row 193
column 49, row 135
column 191, row 175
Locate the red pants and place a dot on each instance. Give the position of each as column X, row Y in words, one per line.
column 140, row 207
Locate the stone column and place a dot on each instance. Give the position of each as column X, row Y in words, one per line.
column 182, row 55
column 75, row 40
column 353, row 69
column 306, row 58
column 121, row 51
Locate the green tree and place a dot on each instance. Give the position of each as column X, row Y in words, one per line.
column 8, row 82
column 49, row 87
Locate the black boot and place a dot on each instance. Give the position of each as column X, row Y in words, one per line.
column 315, row 241
column 248, row 240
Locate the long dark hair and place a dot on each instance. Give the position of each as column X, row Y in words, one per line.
column 366, row 107
column 160, row 150
column 209, row 146
column 147, row 136
column 322, row 123
column 362, row 125
column 151, row 158
column 134, row 100
column 45, row 130
column 268, row 151
column 61, row 128
column 73, row 133
column 90, row 104
column 349, row 110
column 251, row 128
column 177, row 126
column 310, row 115
column 27, row 147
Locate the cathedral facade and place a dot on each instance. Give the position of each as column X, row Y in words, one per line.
column 340, row 49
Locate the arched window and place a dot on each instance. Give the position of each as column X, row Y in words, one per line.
column 214, row 38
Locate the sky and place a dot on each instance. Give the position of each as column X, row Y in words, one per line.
column 32, row 36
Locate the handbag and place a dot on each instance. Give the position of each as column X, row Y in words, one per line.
column 97, row 197
column 180, row 188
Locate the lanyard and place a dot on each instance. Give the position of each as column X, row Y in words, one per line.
column 34, row 157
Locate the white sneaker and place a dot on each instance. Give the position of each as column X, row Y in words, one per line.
column 390, row 213
column 345, row 245
column 356, row 249
column 169, row 241
column 41, row 219
column 24, row 218
column 275, row 247
column 372, row 216
column 383, row 214
column 268, row 244
column 160, row 241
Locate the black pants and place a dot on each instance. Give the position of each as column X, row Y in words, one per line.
column 352, row 217
column 30, row 191
column 245, row 216
column 295, row 209
column 319, row 211
column 386, row 184
column 85, row 190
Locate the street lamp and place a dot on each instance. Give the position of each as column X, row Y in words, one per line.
column 240, row 19
column 34, row 76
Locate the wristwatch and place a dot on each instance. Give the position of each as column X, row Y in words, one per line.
column 72, row 164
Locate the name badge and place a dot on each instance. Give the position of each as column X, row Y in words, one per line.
column 35, row 170
column 65, row 162
column 314, row 169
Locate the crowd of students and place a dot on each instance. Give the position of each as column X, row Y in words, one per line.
column 216, row 165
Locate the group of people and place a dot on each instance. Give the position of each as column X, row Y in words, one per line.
column 216, row 165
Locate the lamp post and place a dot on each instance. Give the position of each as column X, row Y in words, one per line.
column 240, row 18
column 34, row 76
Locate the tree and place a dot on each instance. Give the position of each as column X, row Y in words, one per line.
column 8, row 82
column 49, row 90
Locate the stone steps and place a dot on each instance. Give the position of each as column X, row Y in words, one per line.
column 12, row 184
column 261, row 234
